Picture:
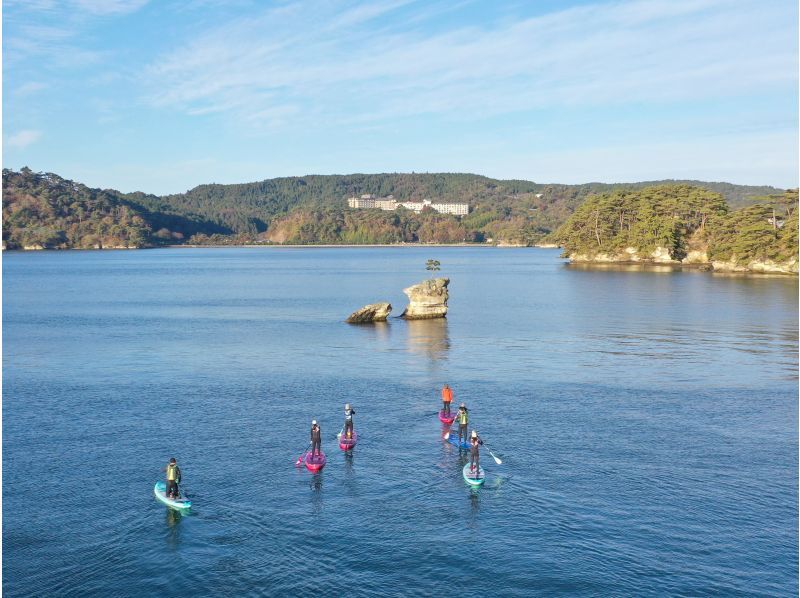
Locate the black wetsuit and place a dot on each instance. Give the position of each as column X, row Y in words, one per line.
column 475, row 455
column 348, row 422
column 316, row 440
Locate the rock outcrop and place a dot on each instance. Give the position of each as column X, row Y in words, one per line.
column 427, row 299
column 374, row 312
column 697, row 257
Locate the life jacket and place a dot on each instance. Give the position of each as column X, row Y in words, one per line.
column 348, row 414
column 172, row 472
column 463, row 417
column 447, row 395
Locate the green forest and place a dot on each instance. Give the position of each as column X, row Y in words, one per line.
column 682, row 218
column 43, row 210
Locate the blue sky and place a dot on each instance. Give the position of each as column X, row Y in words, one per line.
column 160, row 96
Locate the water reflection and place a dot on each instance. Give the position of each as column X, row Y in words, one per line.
column 173, row 530
column 429, row 338
column 379, row 331
column 619, row 267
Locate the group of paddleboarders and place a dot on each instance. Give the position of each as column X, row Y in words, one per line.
column 473, row 441
column 316, row 431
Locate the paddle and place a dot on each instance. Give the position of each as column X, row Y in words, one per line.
column 339, row 435
column 496, row 460
column 302, row 456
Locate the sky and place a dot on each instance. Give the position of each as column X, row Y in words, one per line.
column 163, row 95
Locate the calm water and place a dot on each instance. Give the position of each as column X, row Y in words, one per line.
column 647, row 422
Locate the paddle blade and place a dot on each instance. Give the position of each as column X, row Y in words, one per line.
column 496, row 460
column 446, row 435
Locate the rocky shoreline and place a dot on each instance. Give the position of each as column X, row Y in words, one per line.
column 697, row 260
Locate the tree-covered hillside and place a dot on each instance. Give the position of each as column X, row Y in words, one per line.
column 48, row 211
column 668, row 222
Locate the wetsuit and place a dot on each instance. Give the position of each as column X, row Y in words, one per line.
column 348, row 422
column 463, row 422
column 316, row 440
column 173, row 478
column 447, row 397
column 474, row 455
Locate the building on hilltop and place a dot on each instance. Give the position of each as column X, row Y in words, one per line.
column 389, row 204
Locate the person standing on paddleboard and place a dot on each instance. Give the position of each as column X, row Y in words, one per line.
column 173, row 478
column 474, row 453
column 447, row 398
column 463, row 421
column 349, row 412
column 316, row 438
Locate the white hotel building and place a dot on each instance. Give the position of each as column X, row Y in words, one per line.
column 389, row 204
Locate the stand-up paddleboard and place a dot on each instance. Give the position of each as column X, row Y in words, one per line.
column 315, row 463
column 160, row 490
column 347, row 444
column 453, row 439
column 447, row 419
column 473, row 478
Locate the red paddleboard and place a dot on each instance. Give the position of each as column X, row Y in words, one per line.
column 347, row 444
column 315, row 463
column 447, row 419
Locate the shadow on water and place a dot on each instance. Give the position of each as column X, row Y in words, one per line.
column 316, row 493
column 429, row 338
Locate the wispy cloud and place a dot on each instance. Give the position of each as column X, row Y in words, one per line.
column 23, row 139
column 311, row 63
column 92, row 7
column 29, row 88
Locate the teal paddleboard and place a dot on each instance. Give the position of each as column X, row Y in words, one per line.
column 160, row 490
column 472, row 478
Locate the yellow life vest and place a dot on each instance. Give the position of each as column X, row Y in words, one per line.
column 463, row 417
column 172, row 472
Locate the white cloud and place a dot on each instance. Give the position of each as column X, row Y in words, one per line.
column 109, row 7
column 29, row 88
column 333, row 61
column 23, row 139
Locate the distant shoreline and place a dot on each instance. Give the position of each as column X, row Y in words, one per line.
column 377, row 245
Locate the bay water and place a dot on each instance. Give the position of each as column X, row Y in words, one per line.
column 646, row 420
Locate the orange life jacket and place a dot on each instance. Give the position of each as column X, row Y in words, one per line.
column 447, row 395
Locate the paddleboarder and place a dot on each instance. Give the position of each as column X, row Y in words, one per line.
column 463, row 421
column 349, row 412
column 316, row 438
column 474, row 453
column 447, row 398
column 173, row 478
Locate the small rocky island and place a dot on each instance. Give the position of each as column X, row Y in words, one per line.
column 427, row 300
column 374, row 312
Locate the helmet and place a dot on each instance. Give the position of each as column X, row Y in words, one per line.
column 474, row 434
column 173, row 460
column 347, row 406
column 462, row 405
column 313, row 422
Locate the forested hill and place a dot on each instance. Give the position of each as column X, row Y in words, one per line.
column 45, row 210
column 687, row 224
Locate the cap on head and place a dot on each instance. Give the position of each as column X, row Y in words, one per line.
column 462, row 405
column 313, row 422
column 474, row 434
column 173, row 460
